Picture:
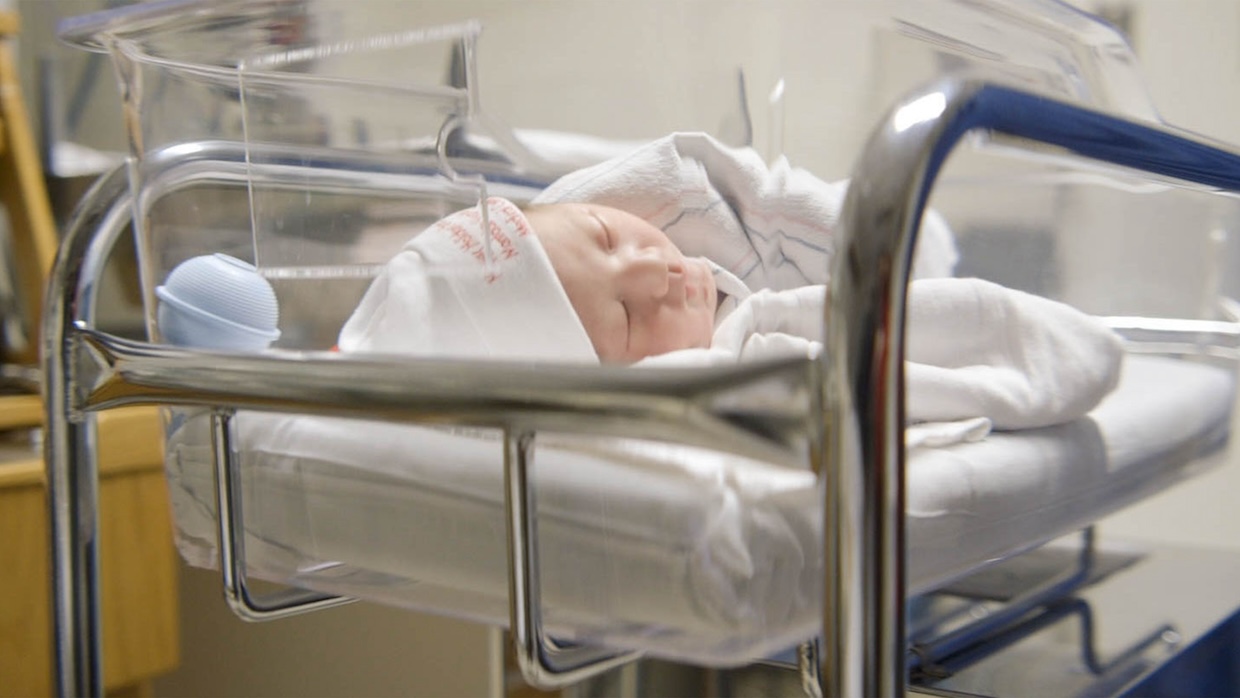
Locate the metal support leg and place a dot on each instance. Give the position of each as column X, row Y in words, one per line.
column 69, row 445
column 543, row 663
column 228, row 516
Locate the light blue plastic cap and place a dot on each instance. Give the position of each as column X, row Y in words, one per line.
column 218, row 302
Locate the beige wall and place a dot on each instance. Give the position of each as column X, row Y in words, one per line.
column 1190, row 54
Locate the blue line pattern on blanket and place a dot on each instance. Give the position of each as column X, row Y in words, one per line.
column 773, row 226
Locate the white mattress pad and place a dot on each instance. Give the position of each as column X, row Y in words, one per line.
column 685, row 553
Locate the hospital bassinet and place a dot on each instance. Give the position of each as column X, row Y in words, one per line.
column 713, row 515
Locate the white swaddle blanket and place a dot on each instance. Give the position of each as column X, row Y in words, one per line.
column 772, row 227
column 978, row 354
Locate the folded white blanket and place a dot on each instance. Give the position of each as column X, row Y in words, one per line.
column 977, row 354
column 977, row 348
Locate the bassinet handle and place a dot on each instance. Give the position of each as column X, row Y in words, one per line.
column 864, row 648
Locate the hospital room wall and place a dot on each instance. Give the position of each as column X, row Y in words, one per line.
column 1190, row 55
column 642, row 69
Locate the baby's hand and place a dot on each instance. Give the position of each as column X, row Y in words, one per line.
column 796, row 312
column 778, row 345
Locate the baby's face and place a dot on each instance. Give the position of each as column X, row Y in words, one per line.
column 635, row 293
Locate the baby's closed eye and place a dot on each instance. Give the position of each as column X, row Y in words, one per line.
column 602, row 234
column 627, row 318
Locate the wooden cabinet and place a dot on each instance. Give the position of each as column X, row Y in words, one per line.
column 138, row 563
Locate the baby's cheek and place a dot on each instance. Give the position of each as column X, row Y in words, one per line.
column 706, row 321
column 608, row 344
column 693, row 330
column 610, row 349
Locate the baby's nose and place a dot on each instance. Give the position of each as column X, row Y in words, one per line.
column 652, row 270
column 644, row 262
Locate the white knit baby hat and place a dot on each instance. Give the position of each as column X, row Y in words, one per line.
column 439, row 297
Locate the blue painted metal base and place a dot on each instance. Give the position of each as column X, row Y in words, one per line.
column 1207, row 667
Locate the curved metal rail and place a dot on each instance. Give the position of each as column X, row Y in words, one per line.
column 759, row 410
column 863, row 651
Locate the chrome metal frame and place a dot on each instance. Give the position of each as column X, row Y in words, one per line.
column 863, row 652
column 941, row 654
column 1164, row 635
column 231, row 540
column 90, row 370
column 543, row 663
column 855, row 394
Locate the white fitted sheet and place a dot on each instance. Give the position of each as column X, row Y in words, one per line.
column 685, row 553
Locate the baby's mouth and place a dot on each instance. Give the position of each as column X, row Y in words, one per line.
column 689, row 281
column 698, row 281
